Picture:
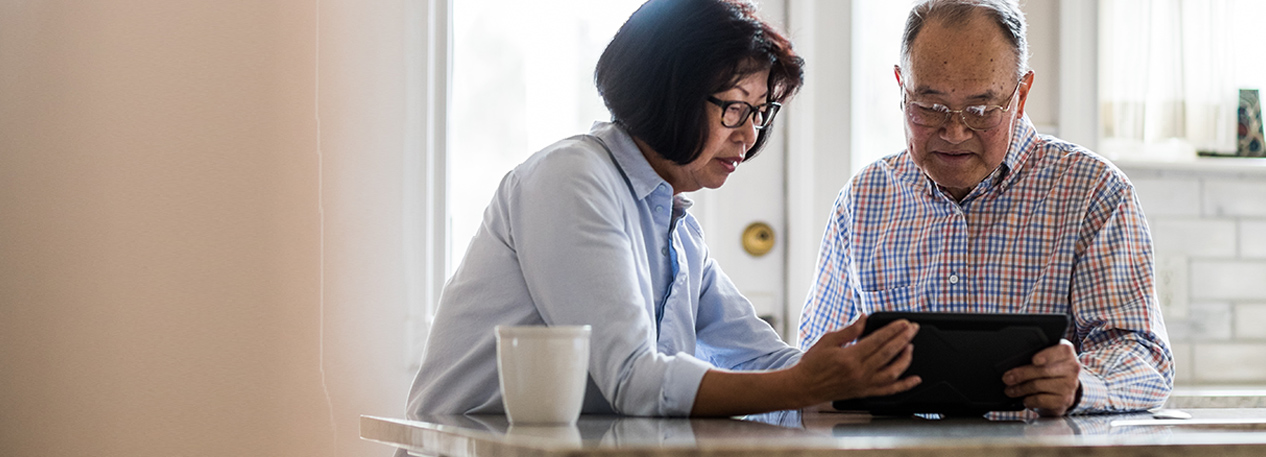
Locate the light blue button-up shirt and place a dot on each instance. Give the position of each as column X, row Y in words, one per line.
column 585, row 232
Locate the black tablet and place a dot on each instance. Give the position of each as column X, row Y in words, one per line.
column 961, row 358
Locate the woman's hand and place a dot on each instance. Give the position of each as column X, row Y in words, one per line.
column 872, row 367
column 829, row 371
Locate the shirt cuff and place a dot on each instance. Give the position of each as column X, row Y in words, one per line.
column 1094, row 394
column 681, row 384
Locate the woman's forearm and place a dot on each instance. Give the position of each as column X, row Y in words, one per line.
column 731, row 393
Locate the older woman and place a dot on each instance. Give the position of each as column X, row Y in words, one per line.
column 594, row 230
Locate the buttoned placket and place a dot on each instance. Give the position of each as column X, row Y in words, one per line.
column 954, row 273
column 663, row 211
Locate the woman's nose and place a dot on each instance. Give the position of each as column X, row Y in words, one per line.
column 747, row 133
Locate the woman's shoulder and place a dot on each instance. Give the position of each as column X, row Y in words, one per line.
column 575, row 166
column 575, row 157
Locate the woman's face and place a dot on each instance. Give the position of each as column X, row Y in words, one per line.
column 723, row 147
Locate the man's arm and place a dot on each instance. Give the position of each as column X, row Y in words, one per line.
column 1122, row 349
column 830, row 302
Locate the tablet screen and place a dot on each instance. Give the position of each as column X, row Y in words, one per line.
column 961, row 358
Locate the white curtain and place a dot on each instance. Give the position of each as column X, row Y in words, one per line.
column 1167, row 74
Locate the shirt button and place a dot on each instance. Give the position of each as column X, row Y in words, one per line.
column 954, row 278
column 664, row 251
column 659, row 208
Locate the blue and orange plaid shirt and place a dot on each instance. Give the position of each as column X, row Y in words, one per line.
column 1055, row 229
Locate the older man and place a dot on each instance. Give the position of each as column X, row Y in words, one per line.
column 980, row 213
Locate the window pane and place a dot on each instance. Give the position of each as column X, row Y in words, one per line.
column 522, row 79
column 877, row 117
column 1170, row 74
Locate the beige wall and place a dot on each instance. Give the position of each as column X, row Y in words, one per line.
column 161, row 234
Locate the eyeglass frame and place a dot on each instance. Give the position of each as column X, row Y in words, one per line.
column 1005, row 107
column 772, row 111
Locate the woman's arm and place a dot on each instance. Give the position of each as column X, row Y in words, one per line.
column 828, row 371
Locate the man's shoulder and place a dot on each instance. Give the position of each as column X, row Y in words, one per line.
column 891, row 169
column 1066, row 161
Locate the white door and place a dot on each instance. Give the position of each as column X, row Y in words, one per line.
column 504, row 71
column 755, row 193
column 792, row 184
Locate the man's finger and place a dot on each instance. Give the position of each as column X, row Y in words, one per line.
column 1055, row 354
column 1058, row 386
column 1046, row 405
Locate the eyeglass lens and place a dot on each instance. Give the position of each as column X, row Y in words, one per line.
column 736, row 113
column 976, row 117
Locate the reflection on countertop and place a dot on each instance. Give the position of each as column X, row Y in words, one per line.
column 1209, row 431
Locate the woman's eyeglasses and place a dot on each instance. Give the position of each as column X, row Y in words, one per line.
column 735, row 113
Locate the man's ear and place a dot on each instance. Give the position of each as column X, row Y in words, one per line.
column 896, row 70
column 1026, row 83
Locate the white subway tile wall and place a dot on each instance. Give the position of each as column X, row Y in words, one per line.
column 1229, row 363
column 1183, row 364
column 1228, row 279
column 1250, row 322
column 1213, row 238
column 1209, row 234
column 1168, row 197
column 1234, row 197
column 1253, row 239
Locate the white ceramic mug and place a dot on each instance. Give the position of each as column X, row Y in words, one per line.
column 543, row 371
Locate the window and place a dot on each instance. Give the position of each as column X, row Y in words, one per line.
column 1170, row 73
column 878, row 129
column 522, row 79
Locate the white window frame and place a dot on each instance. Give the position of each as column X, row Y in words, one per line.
column 425, row 220
column 1079, row 72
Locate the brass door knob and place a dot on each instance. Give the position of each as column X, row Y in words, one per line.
column 758, row 239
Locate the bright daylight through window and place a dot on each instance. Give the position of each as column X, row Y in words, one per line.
column 522, row 79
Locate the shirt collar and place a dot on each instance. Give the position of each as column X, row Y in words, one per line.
column 1023, row 139
column 641, row 176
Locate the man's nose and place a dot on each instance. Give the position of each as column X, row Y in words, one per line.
column 955, row 129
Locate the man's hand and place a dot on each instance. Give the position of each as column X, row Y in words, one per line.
column 871, row 367
column 1050, row 385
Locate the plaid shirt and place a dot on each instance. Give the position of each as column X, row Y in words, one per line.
column 1055, row 229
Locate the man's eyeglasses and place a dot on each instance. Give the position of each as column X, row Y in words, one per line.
column 976, row 117
column 735, row 113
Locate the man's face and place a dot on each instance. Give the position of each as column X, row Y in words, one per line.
column 958, row 66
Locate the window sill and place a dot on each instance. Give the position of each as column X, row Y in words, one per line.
column 1237, row 165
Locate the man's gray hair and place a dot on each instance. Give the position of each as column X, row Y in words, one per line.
column 1006, row 13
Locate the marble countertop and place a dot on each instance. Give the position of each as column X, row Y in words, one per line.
column 1220, row 432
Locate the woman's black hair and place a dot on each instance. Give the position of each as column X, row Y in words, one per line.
column 658, row 71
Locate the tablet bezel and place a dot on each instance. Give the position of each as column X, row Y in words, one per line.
column 982, row 391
